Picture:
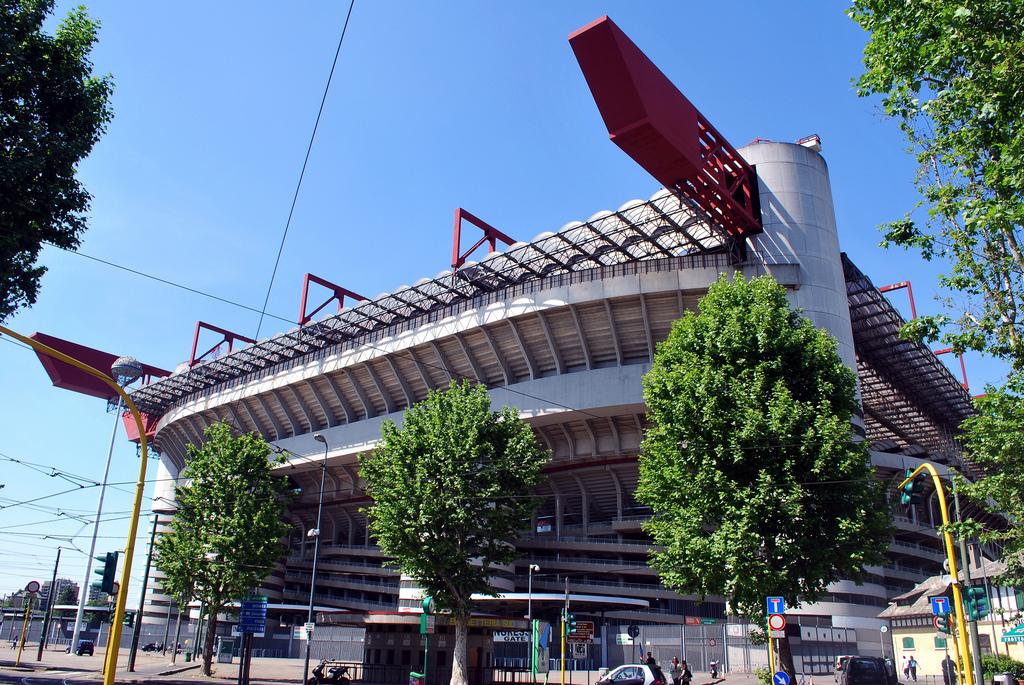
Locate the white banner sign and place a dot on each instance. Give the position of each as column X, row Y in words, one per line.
column 511, row 636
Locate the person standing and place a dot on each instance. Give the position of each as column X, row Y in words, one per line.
column 687, row 675
column 948, row 671
column 675, row 671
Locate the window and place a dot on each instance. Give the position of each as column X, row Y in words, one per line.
column 908, row 643
column 940, row 643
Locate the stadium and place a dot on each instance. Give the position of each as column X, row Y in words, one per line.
column 562, row 328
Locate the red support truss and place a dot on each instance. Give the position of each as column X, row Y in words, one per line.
column 72, row 378
column 227, row 337
column 132, row 430
column 654, row 123
column 900, row 286
column 338, row 293
column 491, row 236
column 963, row 367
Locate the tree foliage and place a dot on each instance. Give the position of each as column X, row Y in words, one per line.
column 226, row 535
column 993, row 439
column 452, row 488
column 952, row 73
column 749, row 465
column 52, row 111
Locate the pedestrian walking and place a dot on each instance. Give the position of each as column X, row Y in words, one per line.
column 913, row 668
column 906, row 667
column 687, row 676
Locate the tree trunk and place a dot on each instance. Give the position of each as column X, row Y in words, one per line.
column 459, row 670
column 208, row 643
column 785, row 655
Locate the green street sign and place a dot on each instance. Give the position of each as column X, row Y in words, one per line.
column 1015, row 634
column 708, row 621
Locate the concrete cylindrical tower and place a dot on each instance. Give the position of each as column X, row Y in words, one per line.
column 800, row 228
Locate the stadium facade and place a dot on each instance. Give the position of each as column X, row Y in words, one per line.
column 562, row 328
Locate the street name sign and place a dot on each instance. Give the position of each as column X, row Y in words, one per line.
column 252, row 614
column 584, row 632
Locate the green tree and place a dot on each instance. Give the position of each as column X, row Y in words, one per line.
column 52, row 111
column 748, row 464
column 452, row 489
column 951, row 72
column 226, row 535
column 994, row 439
column 67, row 595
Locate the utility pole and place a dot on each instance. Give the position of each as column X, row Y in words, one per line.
column 50, row 601
column 142, row 598
column 972, row 624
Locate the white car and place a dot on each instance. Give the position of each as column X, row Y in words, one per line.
column 634, row 674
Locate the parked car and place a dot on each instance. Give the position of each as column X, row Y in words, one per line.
column 634, row 674
column 152, row 647
column 841, row 665
column 85, row 647
column 868, row 670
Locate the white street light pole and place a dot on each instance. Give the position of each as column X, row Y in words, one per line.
column 316, row 550
column 125, row 370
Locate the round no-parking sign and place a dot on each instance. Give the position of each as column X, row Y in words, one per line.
column 776, row 622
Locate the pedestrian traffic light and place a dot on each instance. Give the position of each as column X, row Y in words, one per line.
column 942, row 623
column 129, row 618
column 913, row 491
column 571, row 624
column 977, row 603
column 107, row 571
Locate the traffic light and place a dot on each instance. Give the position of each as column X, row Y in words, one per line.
column 107, row 571
column 942, row 623
column 570, row 624
column 913, row 491
column 129, row 618
column 977, row 603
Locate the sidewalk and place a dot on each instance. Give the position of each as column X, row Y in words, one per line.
column 151, row 667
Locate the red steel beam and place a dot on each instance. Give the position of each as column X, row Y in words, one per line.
column 71, row 378
column 338, row 293
column 654, row 123
column 900, row 286
column 963, row 367
column 491, row 236
column 227, row 337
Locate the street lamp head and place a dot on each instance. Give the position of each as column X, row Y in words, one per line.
column 125, row 370
column 534, row 568
column 319, row 437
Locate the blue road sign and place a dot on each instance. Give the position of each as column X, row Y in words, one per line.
column 940, row 605
column 780, row 678
column 252, row 615
column 776, row 605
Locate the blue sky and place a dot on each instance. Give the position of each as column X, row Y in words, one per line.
column 433, row 106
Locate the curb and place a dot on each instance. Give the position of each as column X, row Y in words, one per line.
column 177, row 669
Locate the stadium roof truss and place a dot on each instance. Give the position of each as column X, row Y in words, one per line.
column 666, row 226
column 908, row 394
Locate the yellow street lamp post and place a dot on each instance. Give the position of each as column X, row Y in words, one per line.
column 133, row 524
column 958, row 599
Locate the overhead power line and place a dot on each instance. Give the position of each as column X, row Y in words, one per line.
column 305, row 162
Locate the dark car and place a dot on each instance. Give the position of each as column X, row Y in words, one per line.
column 868, row 670
column 152, row 647
column 85, row 647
